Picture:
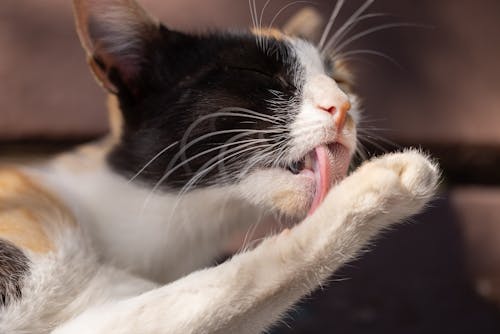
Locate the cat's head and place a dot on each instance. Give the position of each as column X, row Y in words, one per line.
column 260, row 111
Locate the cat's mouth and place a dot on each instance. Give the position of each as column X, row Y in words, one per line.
column 326, row 164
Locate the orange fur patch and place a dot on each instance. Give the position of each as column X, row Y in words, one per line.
column 26, row 210
column 115, row 117
column 269, row 32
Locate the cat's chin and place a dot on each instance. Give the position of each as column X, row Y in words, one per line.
column 298, row 192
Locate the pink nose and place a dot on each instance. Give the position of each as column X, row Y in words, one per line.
column 339, row 113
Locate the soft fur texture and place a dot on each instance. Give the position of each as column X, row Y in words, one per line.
column 214, row 133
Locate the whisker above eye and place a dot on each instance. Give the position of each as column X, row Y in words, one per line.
column 366, row 32
column 262, row 13
column 251, row 6
column 353, row 17
column 368, row 52
column 331, row 21
column 347, row 28
column 285, row 7
column 255, row 21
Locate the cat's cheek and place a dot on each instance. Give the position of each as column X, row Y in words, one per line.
column 279, row 191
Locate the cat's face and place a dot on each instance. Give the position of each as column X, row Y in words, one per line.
column 259, row 112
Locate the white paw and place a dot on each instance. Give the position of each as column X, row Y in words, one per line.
column 406, row 180
column 396, row 185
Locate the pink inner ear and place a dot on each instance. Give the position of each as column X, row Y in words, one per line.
column 114, row 32
column 102, row 62
column 129, row 70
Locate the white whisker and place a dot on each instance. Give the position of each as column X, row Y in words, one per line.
column 368, row 52
column 226, row 112
column 331, row 21
column 152, row 160
column 354, row 38
column 262, row 12
column 354, row 16
column 176, row 167
column 284, row 8
column 186, row 145
column 347, row 28
column 212, row 163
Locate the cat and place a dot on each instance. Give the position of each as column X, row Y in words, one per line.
column 211, row 134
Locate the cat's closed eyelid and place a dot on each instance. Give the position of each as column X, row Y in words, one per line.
column 278, row 77
column 249, row 69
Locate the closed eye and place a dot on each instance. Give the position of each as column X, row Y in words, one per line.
column 247, row 69
column 279, row 78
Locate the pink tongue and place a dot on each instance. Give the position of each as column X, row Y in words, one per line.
column 322, row 174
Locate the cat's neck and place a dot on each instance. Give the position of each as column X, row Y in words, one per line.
column 150, row 232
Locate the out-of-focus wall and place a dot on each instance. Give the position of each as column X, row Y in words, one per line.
column 446, row 90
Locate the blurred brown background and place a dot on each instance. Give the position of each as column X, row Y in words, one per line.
column 440, row 274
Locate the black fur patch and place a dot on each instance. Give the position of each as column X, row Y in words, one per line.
column 14, row 266
column 184, row 78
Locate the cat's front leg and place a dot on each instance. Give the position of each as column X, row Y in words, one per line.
column 251, row 291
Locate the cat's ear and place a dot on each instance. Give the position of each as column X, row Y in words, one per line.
column 115, row 34
column 307, row 24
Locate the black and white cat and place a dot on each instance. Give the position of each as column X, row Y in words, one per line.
column 212, row 133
